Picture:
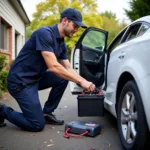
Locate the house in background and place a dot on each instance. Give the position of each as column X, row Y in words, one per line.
column 13, row 21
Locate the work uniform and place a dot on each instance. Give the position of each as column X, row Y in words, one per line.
column 29, row 74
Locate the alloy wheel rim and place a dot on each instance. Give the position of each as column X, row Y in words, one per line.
column 129, row 117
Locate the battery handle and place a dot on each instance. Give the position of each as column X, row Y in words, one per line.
column 96, row 91
column 68, row 135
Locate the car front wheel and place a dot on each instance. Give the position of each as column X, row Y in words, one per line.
column 131, row 118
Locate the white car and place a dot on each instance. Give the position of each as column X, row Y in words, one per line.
column 123, row 72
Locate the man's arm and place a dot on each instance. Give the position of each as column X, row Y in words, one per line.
column 68, row 66
column 62, row 71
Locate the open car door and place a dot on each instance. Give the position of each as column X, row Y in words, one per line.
column 88, row 57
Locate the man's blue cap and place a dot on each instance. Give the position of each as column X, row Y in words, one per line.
column 74, row 15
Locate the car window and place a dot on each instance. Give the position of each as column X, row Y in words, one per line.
column 132, row 32
column 143, row 29
column 116, row 41
column 115, row 44
column 95, row 40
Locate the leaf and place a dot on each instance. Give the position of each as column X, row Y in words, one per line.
column 45, row 142
column 32, row 135
column 51, row 140
column 50, row 145
column 49, row 126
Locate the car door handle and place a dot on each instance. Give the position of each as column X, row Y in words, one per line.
column 121, row 56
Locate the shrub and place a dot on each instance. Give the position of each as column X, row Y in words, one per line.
column 3, row 74
column 11, row 62
column 3, row 79
column 2, row 61
column 1, row 92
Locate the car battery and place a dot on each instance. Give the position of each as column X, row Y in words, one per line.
column 90, row 104
column 79, row 127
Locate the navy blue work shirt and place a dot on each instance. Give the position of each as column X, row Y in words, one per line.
column 29, row 66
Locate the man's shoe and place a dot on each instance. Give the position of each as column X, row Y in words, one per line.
column 51, row 119
column 2, row 119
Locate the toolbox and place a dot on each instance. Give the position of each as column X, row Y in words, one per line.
column 90, row 104
column 82, row 128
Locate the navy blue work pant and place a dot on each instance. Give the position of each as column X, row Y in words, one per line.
column 32, row 118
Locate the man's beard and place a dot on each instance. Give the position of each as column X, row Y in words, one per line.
column 68, row 33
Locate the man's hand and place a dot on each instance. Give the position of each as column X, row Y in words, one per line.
column 88, row 85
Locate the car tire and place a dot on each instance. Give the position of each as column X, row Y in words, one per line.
column 131, row 120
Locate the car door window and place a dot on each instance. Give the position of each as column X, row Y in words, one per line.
column 132, row 32
column 143, row 29
column 94, row 40
column 115, row 44
column 116, row 41
column 92, row 55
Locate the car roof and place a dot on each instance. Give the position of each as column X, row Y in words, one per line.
column 143, row 19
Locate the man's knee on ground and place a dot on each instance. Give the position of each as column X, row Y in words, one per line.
column 38, row 126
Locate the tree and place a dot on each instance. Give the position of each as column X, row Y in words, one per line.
column 48, row 13
column 109, row 15
column 138, row 8
column 28, row 32
column 111, row 24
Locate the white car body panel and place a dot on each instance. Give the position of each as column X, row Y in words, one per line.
column 75, row 61
column 131, row 57
column 136, row 62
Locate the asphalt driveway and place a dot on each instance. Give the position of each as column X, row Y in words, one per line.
column 13, row 138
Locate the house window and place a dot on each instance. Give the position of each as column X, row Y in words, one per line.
column 4, row 35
